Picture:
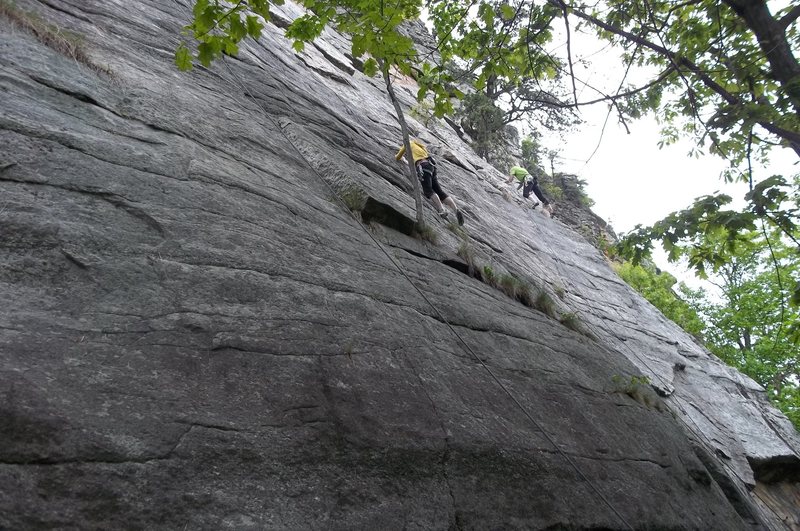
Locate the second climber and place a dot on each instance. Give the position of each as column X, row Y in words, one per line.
column 529, row 183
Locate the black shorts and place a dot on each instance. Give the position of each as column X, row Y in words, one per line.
column 532, row 185
column 427, row 176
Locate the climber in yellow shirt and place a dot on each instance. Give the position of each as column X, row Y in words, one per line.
column 426, row 171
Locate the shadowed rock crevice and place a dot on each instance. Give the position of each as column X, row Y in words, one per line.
column 776, row 469
column 375, row 211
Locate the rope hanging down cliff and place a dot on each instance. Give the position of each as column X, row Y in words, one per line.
column 467, row 348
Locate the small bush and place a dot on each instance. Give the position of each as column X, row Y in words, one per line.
column 570, row 320
column 545, row 304
column 560, row 291
column 524, row 294
column 508, row 285
column 552, row 190
column 426, row 232
column 466, row 254
column 515, row 288
column 62, row 41
column 458, row 230
column 489, row 276
column 354, row 198
column 638, row 388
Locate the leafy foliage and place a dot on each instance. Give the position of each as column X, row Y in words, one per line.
column 638, row 388
column 219, row 27
column 484, row 121
column 629, row 385
column 466, row 253
column 489, row 276
column 727, row 67
column 426, row 233
column 498, row 47
column 545, row 304
column 657, row 287
column 514, row 288
column 752, row 328
column 707, row 235
column 573, row 188
column 424, row 112
column 531, row 151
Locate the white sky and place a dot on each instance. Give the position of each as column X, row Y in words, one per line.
column 633, row 181
column 630, row 179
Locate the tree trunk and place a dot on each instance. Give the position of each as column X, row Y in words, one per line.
column 491, row 88
column 412, row 169
column 771, row 35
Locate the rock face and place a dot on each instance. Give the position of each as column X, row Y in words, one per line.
column 197, row 334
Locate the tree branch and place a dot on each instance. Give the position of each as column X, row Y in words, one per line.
column 787, row 19
column 682, row 62
column 569, row 54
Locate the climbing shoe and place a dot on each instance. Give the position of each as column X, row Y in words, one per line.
column 443, row 214
column 460, row 217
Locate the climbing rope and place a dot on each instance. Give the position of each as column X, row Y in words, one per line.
column 441, row 317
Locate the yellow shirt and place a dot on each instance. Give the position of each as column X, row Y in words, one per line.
column 418, row 151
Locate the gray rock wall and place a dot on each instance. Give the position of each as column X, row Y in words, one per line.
column 196, row 334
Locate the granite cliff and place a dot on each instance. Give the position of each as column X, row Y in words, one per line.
column 216, row 313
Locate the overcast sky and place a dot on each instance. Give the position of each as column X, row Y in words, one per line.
column 630, row 179
column 633, row 181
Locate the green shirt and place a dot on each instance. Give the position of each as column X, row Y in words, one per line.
column 519, row 172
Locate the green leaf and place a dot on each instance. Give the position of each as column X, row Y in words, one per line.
column 254, row 26
column 206, row 20
column 183, row 58
column 370, row 67
column 507, row 12
column 237, row 29
column 199, row 7
column 359, row 45
column 207, row 52
column 261, row 7
column 795, row 300
column 231, row 48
